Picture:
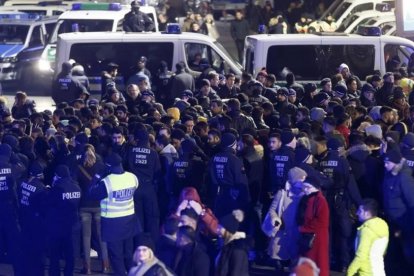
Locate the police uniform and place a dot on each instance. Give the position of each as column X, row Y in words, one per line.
column 407, row 150
column 119, row 223
column 9, row 224
column 228, row 177
column 66, row 88
column 62, row 218
column 145, row 164
column 33, row 193
column 281, row 162
column 337, row 168
column 137, row 21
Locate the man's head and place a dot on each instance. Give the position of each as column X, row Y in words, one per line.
column 118, row 137
column 135, row 5
column 367, row 209
column 133, row 91
column 214, row 137
column 185, row 235
column 274, row 142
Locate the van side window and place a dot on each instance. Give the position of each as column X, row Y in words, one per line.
column 249, row 60
column 312, row 62
column 194, row 50
column 396, row 56
column 95, row 56
column 363, row 7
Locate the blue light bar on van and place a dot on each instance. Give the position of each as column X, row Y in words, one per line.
column 173, row 28
column 368, row 30
column 20, row 16
column 49, row 3
column 96, row 7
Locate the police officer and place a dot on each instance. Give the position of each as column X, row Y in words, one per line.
column 337, row 168
column 33, row 193
column 9, row 224
column 282, row 161
column 119, row 223
column 187, row 171
column 229, row 178
column 137, row 21
column 144, row 162
column 407, row 150
column 66, row 88
column 62, row 218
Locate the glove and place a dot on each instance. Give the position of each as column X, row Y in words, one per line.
column 181, row 207
column 196, row 206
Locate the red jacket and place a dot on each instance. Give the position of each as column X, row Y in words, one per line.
column 317, row 221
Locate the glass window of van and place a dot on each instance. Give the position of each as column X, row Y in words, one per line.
column 396, row 56
column 36, row 39
column 195, row 52
column 314, row 62
column 94, row 57
column 13, row 34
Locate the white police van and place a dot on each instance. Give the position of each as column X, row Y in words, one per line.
column 95, row 50
column 44, row 8
column 89, row 17
column 22, row 40
column 315, row 56
column 341, row 9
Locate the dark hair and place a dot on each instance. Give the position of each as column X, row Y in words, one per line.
column 370, row 205
column 171, row 225
column 248, row 140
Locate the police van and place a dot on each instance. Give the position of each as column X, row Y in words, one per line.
column 95, row 50
column 22, row 40
column 45, row 8
column 89, row 17
column 315, row 56
column 340, row 9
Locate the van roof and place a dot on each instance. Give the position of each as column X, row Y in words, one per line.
column 125, row 37
column 302, row 38
column 102, row 14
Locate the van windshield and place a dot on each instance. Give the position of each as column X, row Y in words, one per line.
column 13, row 34
column 314, row 62
column 82, row 25
column 341, row 10
column 347, row 22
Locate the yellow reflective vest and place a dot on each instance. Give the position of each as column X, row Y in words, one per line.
column 120, row 200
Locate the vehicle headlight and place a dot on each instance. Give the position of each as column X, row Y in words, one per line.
column 44, row 65
column 8, row 59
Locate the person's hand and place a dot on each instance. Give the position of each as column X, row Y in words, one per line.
column 196, row 206
column 181, row 207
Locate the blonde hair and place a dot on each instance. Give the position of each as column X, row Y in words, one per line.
column 136, row 259
column 90, row 156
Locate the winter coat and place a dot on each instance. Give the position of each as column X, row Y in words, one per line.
column 180, row 82
column 192, row 261
column 23, row 111
column 152, row 268
column 232, row 259
column 284, row 245
column 371, row 243
column 316, row 220
column 398, row 192
column 239, row 29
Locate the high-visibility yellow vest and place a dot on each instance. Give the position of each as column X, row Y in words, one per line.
column 120, row 200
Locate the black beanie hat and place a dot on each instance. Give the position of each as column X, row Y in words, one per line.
column 5, row 150
column 393, row 155
column 62, row 171
column 144, row 239
column 36, row 169
column 286, row 137
column 232, row 221
column 228, row 140
column 301, row 154
column 334, row 143
column 113, row 160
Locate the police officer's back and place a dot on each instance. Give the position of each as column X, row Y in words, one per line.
column 62, row 217
column 228, row 178
column 65, row 87
column 9, row 224
column 137, row 21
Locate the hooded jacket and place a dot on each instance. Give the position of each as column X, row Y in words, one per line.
column 371, row 243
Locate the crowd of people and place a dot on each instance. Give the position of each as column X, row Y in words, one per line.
column 219, row 172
